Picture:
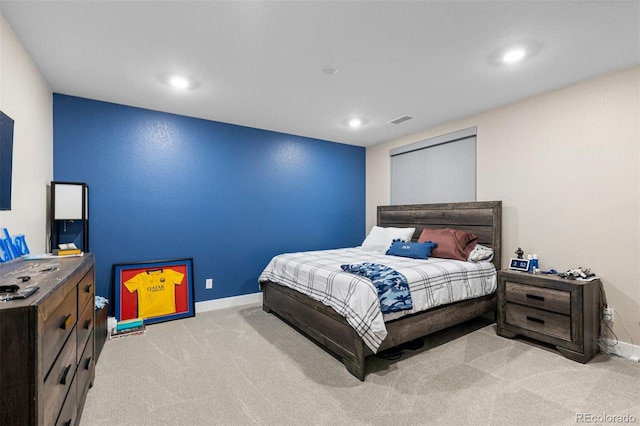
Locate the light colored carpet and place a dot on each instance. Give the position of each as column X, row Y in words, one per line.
column 242, row 366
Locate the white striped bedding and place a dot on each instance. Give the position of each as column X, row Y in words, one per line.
column 433, row 282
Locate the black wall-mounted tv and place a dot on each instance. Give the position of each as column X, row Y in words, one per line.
column 6, row 160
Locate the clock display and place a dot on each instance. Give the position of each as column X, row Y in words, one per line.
column 519, row 264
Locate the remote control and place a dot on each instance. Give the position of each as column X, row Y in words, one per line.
column 23, row 294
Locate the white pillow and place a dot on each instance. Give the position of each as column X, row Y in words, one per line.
column 380, row 239
column 480, row 253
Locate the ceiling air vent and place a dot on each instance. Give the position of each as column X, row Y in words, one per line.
column 400, row 120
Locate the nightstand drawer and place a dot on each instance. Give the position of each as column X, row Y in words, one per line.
column 540, row 321
column 539, row 297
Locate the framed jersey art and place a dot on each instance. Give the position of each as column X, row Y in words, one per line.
column 154, row 291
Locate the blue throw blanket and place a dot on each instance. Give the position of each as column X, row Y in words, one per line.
column 393, row 288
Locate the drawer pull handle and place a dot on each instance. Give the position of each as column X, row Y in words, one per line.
column 535, row 320
column 67, row 322
column 88, row 364
column 87, row 288
column 87, row 324
column 63, row 380
column 535, row 297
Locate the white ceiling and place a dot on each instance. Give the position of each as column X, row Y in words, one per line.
column 259, row 63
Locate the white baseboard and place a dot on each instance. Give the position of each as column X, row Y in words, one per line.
column 229, row 302
column 623, row 349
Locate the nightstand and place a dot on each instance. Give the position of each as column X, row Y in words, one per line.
column 550, row 309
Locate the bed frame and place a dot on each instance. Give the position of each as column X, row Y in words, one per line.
column 331, row 331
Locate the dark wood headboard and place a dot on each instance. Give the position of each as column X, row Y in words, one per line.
column 483, row 218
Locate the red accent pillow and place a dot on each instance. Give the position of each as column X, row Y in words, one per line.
column 452, row 243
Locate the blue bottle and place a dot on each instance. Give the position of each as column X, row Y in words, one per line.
column 534, row 263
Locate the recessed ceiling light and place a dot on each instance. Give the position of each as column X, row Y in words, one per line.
column 513, row 56
column 515, row 52
column 179, row 82
column 355, row 122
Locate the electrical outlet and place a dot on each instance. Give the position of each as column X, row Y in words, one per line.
column 209, row 284
column 607, row 314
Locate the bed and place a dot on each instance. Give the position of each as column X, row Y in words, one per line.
column 332, row 331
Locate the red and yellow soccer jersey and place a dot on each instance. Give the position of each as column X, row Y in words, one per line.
column 156, row 292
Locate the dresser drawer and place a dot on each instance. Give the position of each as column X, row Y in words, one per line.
column 86, row 291
column 69, row 413
column 540, row 321
column 58, row 382
column 56, row 329
column 538, row 297
column 86, row 365
column 85, row 328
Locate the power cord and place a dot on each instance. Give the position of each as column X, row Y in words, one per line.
column 602, row 343
column 609, row 348
column 604, row 346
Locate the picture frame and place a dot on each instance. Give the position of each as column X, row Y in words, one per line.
column 6, row 160
column 154, row 291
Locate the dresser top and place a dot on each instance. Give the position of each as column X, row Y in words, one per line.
column 47, row 274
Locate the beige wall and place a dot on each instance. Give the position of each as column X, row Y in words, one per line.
column 27, row 99
column 565, row 165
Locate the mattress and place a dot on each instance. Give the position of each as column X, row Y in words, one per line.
column 433, row 282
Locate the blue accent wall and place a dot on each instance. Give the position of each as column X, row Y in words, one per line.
column 164, row 186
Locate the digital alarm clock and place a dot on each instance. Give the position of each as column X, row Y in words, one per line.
column 520, row 264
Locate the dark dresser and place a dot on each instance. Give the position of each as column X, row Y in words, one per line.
column 47, row 341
